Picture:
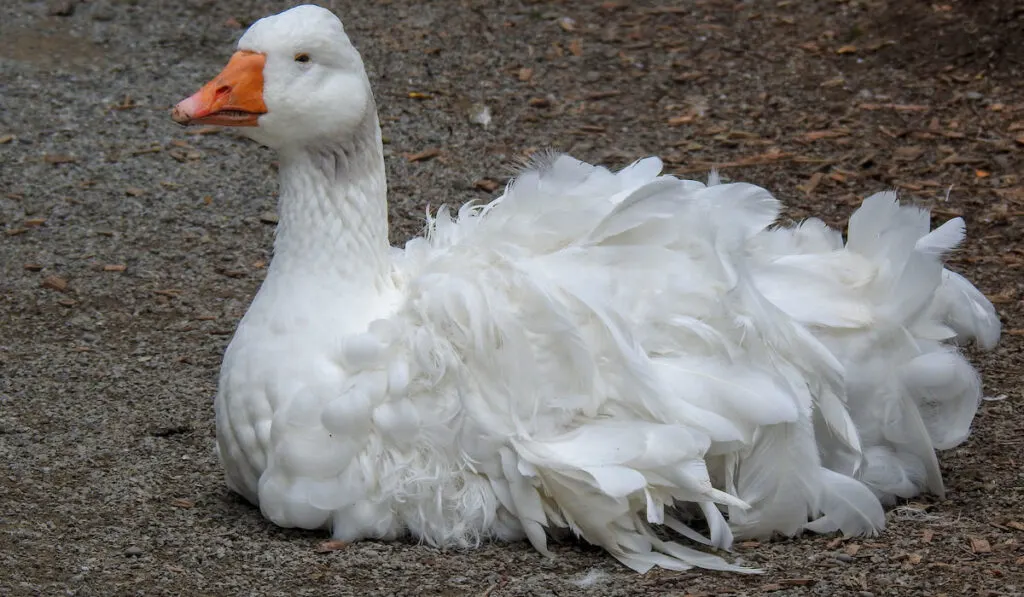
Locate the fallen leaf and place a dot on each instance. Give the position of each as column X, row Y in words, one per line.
column 424, row 155
column 182, row 503
column 332, row 545
column 979, row 545
column 55, row 283
column 115, row 267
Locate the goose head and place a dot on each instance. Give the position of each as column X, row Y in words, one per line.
column 295, row 80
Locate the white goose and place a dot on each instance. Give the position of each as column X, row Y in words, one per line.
column 593, row 351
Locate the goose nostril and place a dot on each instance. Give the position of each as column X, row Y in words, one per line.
column 223, row 90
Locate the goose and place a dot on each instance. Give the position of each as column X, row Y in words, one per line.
column 593, row 354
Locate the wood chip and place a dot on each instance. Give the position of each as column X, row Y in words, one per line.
column 576, row 47
column 600, row 95
column 182, row 503
column 55, row 283
column 525, row 74
column 332, row 545
column 5, row 139
column 15, row 231
column 59, row 158
column 422, row 156
column 809, row 186
column 486, row 184
column 980, row 545
column 115, row 267
column 539, row 102
column 34, row 222
column 771, row 588
column 134, row 192
column 1013, row 524
column 846, row 50
column 927, row 535
column 852, row 549
column 824, row 134
column 416, row 95
column 33, row 267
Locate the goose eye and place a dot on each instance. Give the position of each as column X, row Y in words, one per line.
column 303, row 58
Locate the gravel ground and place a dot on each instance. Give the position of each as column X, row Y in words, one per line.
column 131, row 247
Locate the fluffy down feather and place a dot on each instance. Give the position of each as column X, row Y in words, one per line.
column 607, row 352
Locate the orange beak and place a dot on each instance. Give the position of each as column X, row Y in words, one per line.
column 232, row 98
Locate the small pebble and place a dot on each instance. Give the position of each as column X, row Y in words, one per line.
column 133, row 551
column 844, row 558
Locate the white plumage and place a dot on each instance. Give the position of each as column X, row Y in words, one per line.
column 593, row 351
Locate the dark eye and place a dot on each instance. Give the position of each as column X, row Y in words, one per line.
column 303, row 58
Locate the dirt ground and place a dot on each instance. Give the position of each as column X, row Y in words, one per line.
column 131, row 247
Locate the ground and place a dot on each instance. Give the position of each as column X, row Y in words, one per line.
column 131, row 247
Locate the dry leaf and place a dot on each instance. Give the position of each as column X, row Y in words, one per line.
column 979, row 545
column 424, row 155
column 55, row 283
column 332, row 545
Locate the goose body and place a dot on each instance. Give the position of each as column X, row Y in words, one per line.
column 595, row 352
